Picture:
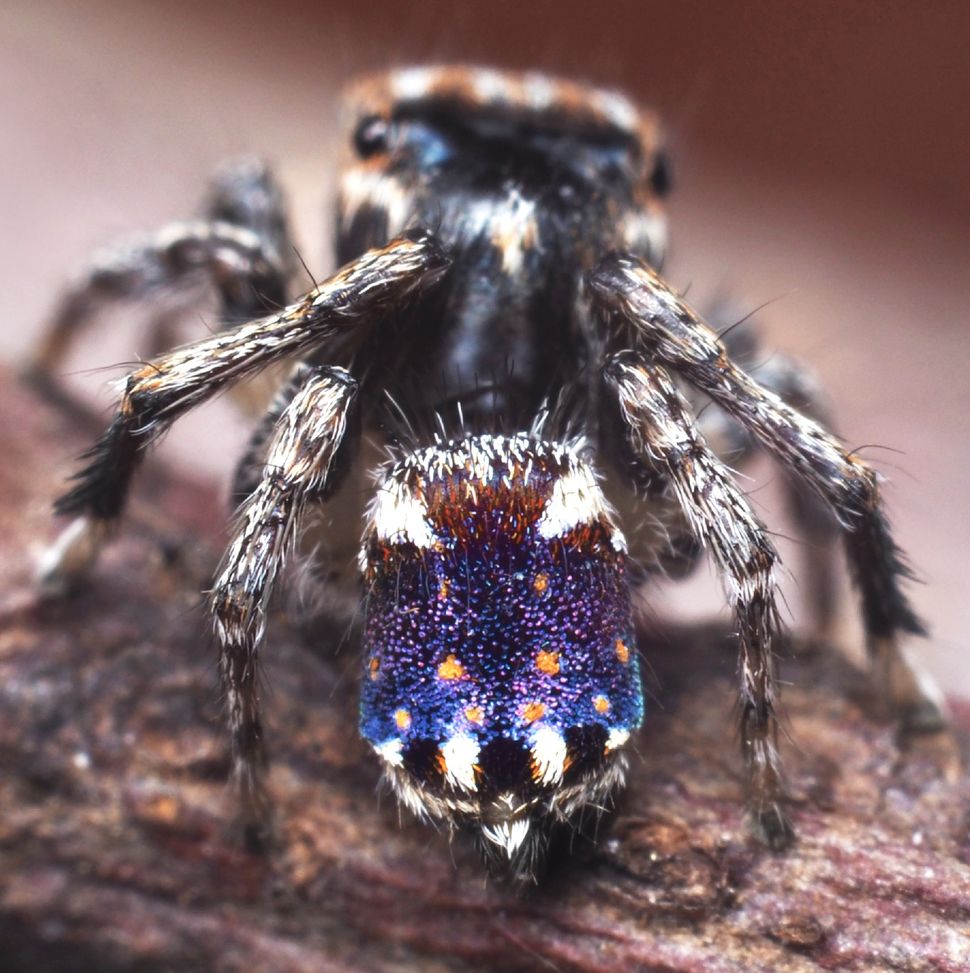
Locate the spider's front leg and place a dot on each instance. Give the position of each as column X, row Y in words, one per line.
column 669, row 330
column 661, row 431
column 250, row 466
column 158, row 393
column 301, row 466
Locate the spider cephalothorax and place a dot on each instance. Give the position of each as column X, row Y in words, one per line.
column 500, row 235
column 529, row 181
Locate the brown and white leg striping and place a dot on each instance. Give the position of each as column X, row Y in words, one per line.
column 659, row 426
column 669, row 330
column 298, row 470
column 158, row 393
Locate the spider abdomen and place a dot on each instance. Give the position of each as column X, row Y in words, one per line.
column 501, row 677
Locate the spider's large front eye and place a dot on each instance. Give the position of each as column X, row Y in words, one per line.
column 370, row 136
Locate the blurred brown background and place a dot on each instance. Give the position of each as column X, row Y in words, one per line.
column 821, row 153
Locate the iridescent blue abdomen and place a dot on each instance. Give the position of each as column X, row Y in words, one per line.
column 501, row 671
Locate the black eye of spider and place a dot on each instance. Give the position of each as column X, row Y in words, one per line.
column 370, row 136
column 661, row 178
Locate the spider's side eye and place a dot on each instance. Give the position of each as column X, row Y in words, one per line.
column 370, row 136
column 661, row 178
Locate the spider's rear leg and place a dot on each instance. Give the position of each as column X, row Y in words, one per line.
column 796, row 384
column 240, row 246
column 364, row 291
column 660, row 429
column 303, row 464
column 669, row 330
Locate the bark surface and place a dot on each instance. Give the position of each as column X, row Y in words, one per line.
column 113, row 803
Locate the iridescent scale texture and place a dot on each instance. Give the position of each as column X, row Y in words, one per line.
column 496, row 625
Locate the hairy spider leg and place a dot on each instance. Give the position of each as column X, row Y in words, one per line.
column 249, row 468
column 358, row 295
column 796, row 384
column 667, row 329
column 660, row 427
column 240, row 245
column 300, row 467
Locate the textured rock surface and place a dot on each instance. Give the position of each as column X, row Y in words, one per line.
column 113, row 806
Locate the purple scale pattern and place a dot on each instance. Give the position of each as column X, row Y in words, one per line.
column 495, row 631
